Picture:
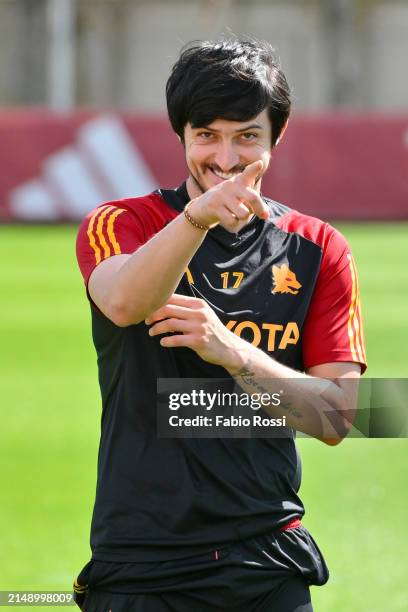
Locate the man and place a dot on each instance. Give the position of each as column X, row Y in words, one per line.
column 213, row 280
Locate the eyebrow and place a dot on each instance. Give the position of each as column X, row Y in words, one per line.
column 253, row 126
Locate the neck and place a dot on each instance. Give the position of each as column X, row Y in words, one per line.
column 194, row 188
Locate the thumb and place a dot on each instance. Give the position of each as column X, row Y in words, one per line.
column 251, row 172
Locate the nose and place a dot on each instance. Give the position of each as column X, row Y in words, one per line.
column 226, row 156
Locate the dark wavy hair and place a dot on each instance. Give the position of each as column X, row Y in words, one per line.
column 231, row 79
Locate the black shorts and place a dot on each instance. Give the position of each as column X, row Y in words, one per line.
column 271, row 572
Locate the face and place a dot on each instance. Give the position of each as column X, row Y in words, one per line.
column 219, row 151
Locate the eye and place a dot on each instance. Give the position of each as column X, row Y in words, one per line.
column 205, row 135
column 248, row 136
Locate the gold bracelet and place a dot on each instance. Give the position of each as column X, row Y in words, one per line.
column 192, row 221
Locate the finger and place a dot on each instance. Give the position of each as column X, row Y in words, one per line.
column 186, row 301
column 179, row 306
column 176, row 341
column 247, row 179
column 238, row 211
column 250, row 173
column 170, row 326
column 247, row 201
column 169, row 310
column 231, row 207
column 233, row 220
column 259, row 207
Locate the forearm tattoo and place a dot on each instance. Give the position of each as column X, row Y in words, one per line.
column 247, row 376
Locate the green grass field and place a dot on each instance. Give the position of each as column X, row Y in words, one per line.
column 355, row 494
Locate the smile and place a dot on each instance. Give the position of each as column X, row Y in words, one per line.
column 225, row 176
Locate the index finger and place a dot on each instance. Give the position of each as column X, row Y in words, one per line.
column 250, row 173
column 188, row 301
column 247, row 178
column 177, row 304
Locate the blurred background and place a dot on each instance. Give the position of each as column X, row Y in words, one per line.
column 67, row 53
column 82, row 120
column 82, row 92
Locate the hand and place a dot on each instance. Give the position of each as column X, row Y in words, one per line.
column 232, row 202
column 200, row 329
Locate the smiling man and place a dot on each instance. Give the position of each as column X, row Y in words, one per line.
column 214, row 280
column 223, row 149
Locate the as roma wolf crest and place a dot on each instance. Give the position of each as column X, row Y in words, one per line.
column 285, row 280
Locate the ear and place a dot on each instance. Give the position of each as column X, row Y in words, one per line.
column 181, row 139
column 282, row 133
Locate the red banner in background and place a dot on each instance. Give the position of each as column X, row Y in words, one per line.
column 57, row 167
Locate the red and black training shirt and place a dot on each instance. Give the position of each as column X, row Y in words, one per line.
column 287, row 285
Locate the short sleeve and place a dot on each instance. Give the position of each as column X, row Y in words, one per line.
column 106, row 231
column 333, row 328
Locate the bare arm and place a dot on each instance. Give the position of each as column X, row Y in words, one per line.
column 319, row 403
column 126, row 288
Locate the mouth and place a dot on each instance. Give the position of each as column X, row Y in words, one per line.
column 224, row 176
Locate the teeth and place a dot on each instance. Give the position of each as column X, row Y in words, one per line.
column 223, row 175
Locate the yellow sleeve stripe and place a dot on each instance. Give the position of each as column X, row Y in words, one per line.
column 91, row 236
column 100, row 214
column 359, row 317
column 99, row 231
column 111, row 233
column 358, row 325
column 354, row 327
column 189, row 276
column 351, row 311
